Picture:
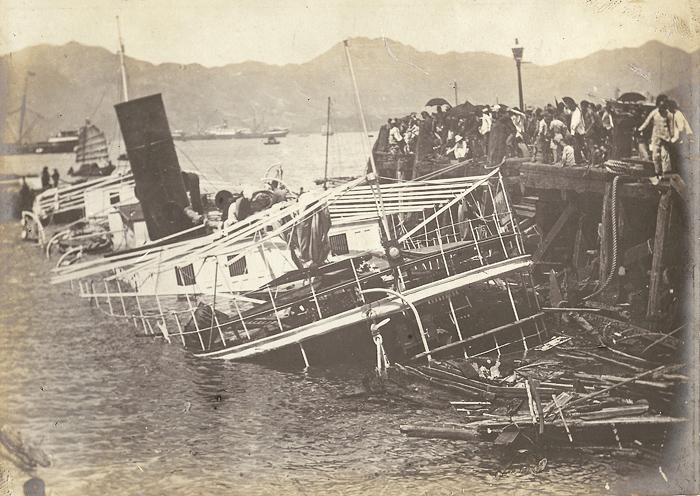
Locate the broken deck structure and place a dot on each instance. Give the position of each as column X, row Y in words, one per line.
column 612, row 234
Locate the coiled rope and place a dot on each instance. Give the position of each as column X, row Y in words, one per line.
column 613, row 268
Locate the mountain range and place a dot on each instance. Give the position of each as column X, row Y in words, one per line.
column 74, row 82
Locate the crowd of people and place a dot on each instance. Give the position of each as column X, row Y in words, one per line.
column 566, row 133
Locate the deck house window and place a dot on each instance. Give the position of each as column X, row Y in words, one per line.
column 339, row 244
column 237, row 268
column 114, row 198
column 185, row 275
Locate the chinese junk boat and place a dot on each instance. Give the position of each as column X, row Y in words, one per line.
column 92, row 150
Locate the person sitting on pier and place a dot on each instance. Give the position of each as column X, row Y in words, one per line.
column 557, row 130
column 568, row 155
column 660, row 136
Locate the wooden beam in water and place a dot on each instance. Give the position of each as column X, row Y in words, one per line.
column 481, row 335
column 663, row 222
column 637, row 252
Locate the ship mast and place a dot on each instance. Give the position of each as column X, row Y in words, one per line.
column 328, row 129
column 23, row 108
column 365, row 137
column 121, row 62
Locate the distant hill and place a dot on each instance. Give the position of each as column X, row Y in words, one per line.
column 74, row 82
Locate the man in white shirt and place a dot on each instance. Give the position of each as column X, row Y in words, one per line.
column 578, row 129
column 660, row 135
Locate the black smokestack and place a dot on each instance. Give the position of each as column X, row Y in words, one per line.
column 159, row 185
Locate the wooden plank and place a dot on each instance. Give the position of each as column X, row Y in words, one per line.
column 547, row 177
column 588, row 397
column 680, row 186
column 459, row 434
column 579, row 249
column 663, row 222
column 637, row 252
column 555, row 298
column 554, row 232
column 478, row 336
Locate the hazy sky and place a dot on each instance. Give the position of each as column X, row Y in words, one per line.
column 218, row 32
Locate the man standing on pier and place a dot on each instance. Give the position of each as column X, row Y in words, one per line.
column 578, row 129
column 660, row 136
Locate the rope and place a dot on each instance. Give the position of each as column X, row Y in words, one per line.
column 613, row 268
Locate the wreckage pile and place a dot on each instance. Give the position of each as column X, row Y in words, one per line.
column 569, row 390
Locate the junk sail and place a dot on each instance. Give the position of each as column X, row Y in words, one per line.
column 92, row 151
column 92, row 145
column 160, row 187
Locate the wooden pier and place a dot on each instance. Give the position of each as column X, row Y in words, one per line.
column 635, row 254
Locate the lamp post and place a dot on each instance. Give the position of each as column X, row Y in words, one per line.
column 518, row 56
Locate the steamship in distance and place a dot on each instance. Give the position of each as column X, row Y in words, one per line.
column 63, row 142
column 225, row 132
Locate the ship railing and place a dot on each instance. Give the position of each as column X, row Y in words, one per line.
column 277, row 314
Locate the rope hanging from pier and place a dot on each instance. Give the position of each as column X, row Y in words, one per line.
column 613, row 267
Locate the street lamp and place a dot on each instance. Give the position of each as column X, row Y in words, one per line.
column 518, row 56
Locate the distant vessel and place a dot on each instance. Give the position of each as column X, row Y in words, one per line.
column 276, row 132
column 272, row 141
column 63, row 142
column 226, row 132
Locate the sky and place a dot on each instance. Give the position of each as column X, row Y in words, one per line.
column 219, row 32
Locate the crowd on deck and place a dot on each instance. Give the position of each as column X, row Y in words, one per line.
column 566, row 133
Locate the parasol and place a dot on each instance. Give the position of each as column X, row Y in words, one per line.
column 631, row 97
column 462, row 110
column 437, row 101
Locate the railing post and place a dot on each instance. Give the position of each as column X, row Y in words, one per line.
column 109, row 301
column 415, row 313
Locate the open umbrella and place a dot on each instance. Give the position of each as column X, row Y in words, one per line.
column 631, row 97
column 437, row 101
column 568, row 101
column 462, row 110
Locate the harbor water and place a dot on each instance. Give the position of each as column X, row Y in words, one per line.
column 122, row 414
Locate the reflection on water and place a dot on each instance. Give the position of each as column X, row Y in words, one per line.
column 127, row 415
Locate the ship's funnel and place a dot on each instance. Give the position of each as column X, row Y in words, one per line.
column 159, row 185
